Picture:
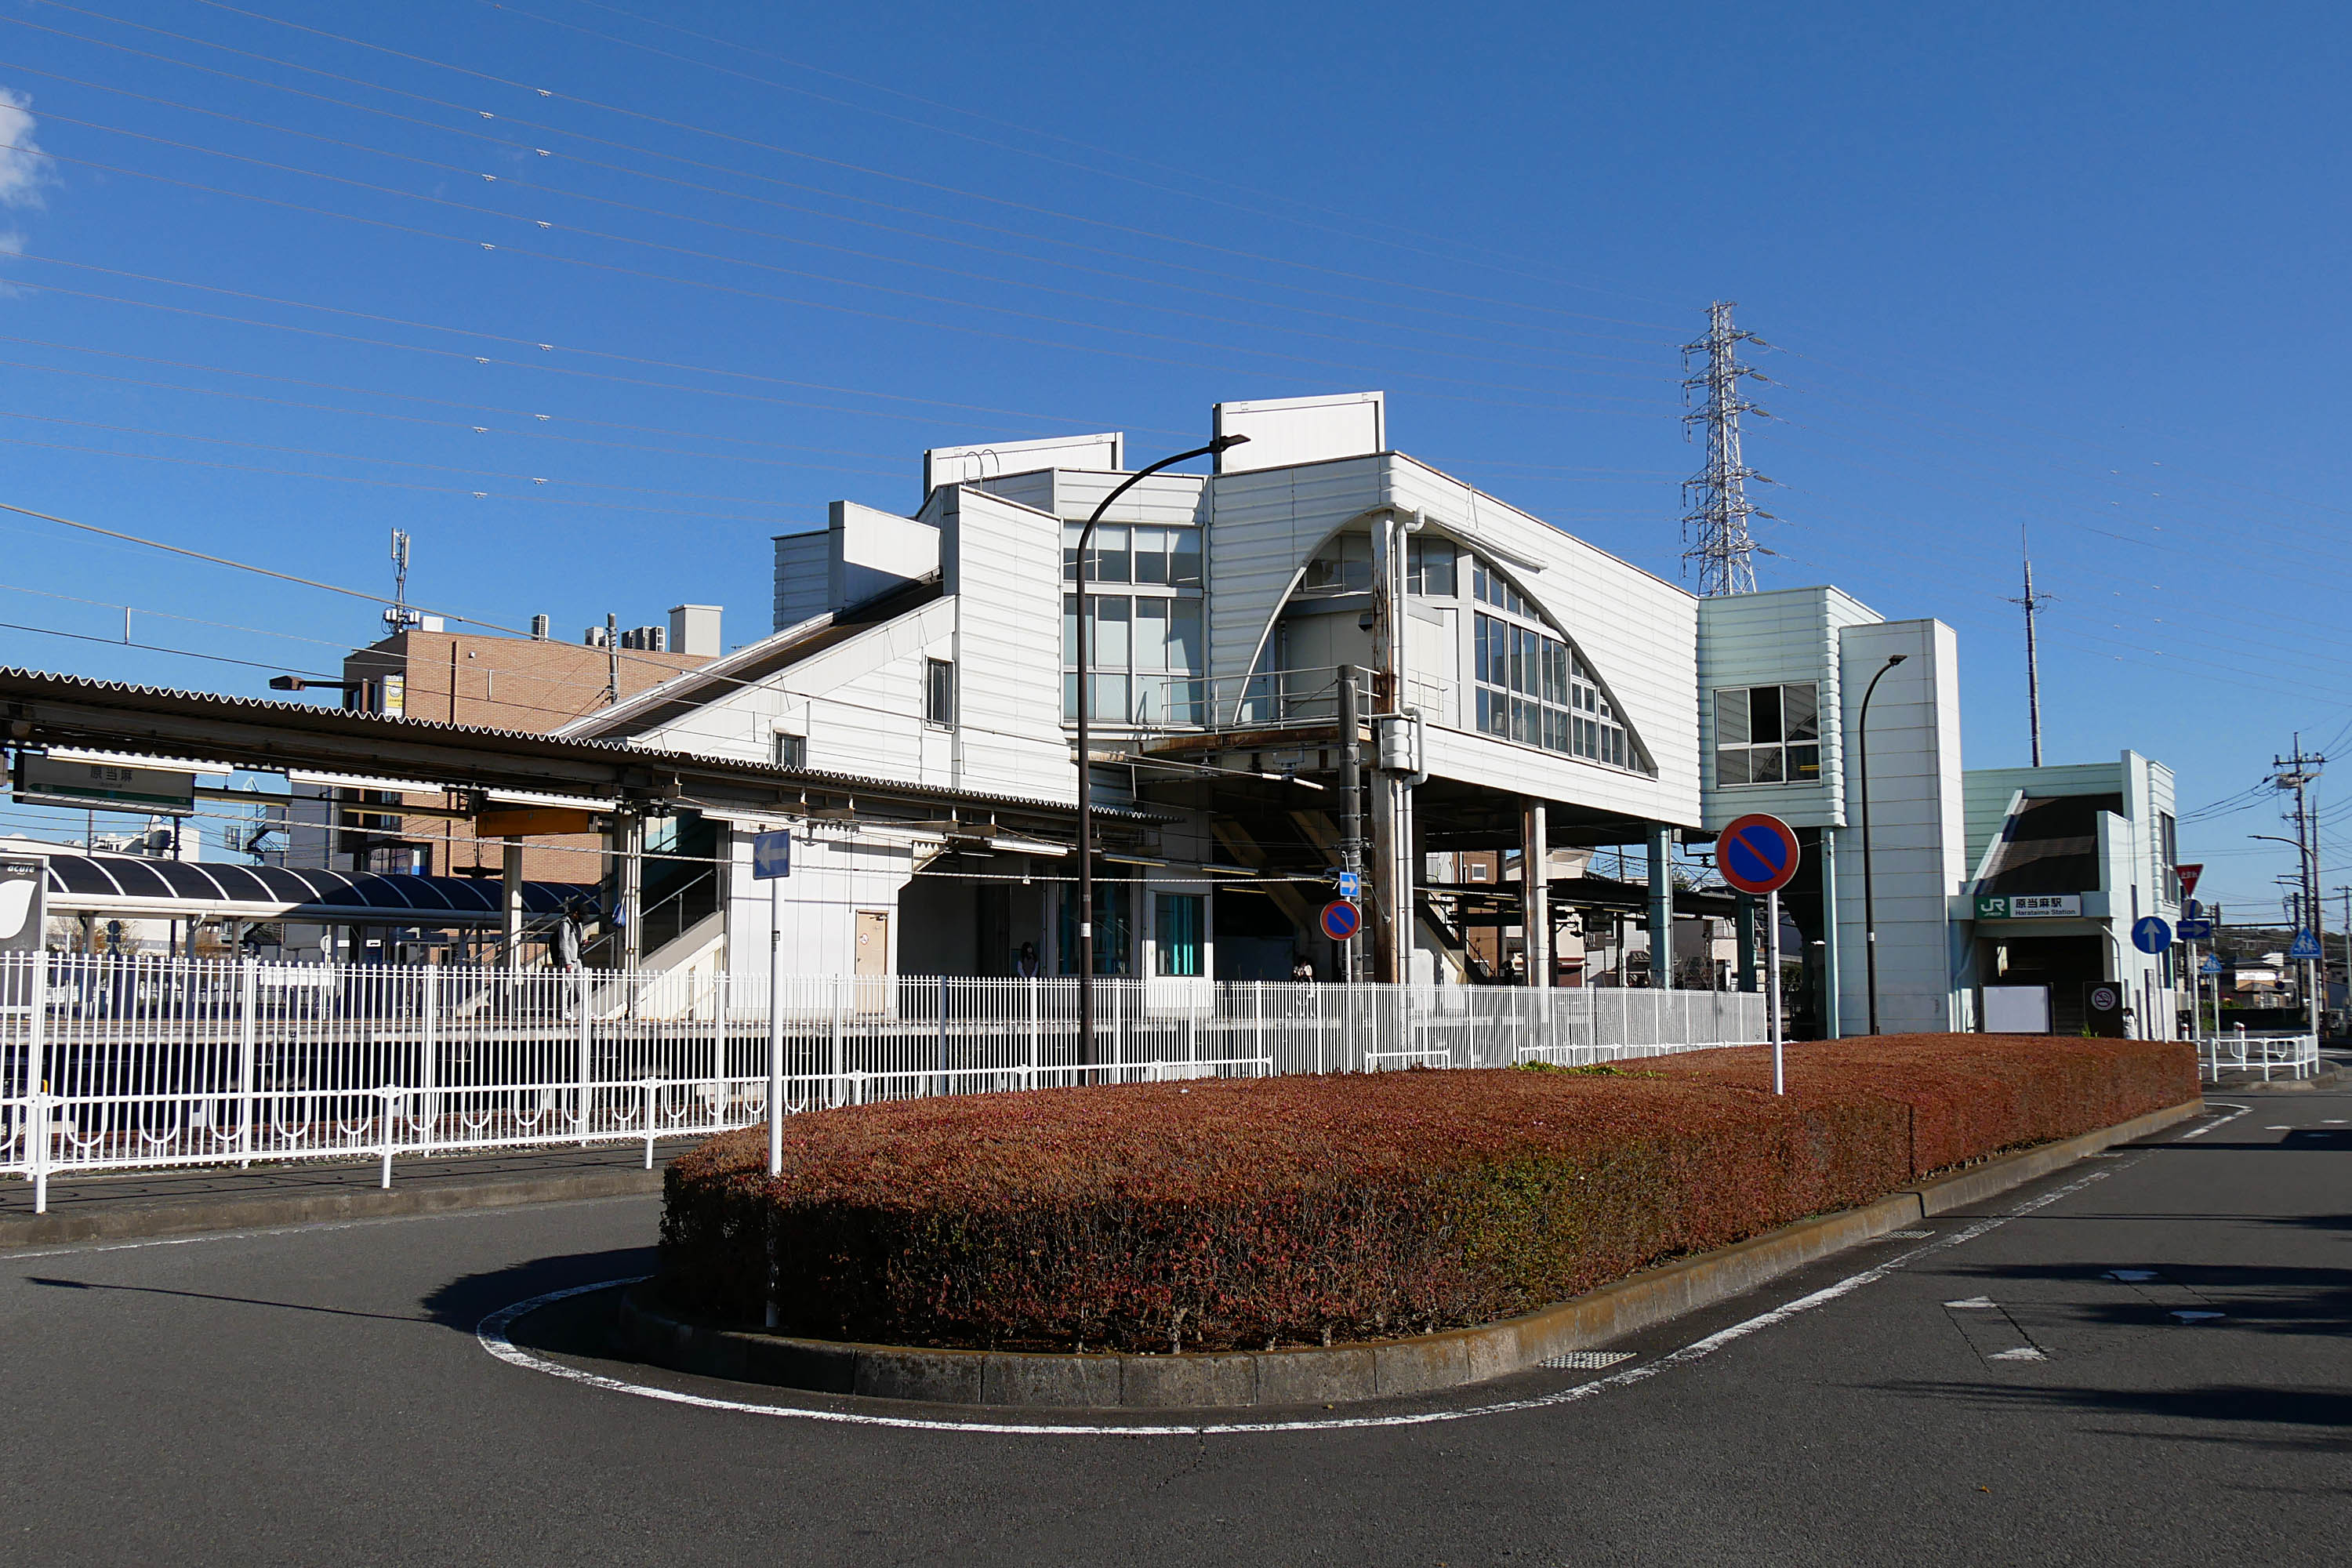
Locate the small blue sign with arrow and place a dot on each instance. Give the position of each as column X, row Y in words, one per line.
column 2194, row 931
column 2304, row 948
column 1351, row 886
column 771, row 854
column 2150, row 934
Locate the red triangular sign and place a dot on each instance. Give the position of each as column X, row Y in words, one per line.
column 2188, row 875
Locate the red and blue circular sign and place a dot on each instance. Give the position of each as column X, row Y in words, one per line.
column 1341, row 920
column 1757, row 853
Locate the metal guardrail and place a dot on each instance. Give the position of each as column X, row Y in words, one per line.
column 2270, row 1052
column 115, row 1062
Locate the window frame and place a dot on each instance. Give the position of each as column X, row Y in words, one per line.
column 938, row 693
column 1781, row 752
column 778, row 747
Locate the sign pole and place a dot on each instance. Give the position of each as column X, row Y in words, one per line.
column 1772, row 985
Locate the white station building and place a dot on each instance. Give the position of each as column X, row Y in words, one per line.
column 1506, row 688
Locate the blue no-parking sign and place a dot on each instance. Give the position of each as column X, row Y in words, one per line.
column 2150, row 934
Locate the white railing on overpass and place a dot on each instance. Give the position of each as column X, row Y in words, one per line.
column 2271, row 1053
column 113, row 1062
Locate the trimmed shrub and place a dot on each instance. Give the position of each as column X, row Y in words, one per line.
column 1223, row 1214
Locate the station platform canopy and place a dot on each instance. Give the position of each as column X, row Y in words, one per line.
column 138, row 887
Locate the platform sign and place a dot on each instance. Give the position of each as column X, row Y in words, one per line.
column 1341, row 920
column 1351, row 886
column 2304, row 949
column 2151, row 934
column 2188, row 875
column 771, row 854
column 42, row 780
column 2194, row 930
column 1757, row 853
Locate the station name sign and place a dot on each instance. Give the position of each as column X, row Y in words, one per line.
column 2029, row 906
column 54, row 780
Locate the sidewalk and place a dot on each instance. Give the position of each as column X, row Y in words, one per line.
column 118, row 1205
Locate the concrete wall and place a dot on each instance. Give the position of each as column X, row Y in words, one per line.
column 1917, row 845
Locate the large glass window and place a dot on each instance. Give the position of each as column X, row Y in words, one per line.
column 1768, row 734
column 1149, row 656
column 1135, row 552
column 1428, row 568
column 1176, row 927
column 1533, row 689
column 1114, row 929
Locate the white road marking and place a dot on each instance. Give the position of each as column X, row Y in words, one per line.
column 1975, row 1303
column 2278, row 1129
column 491, row 1332
column 2334, row 1122
column 2023, row 1352
column 2235, row 1111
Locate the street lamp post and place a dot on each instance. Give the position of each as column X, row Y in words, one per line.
column 1086, row 775
column 1869, row 891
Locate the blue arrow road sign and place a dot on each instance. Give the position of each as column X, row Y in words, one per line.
column 2212, row 964
column 2150, row 934
column 2194, row 931
column 2306, row 946
column 1351, row 886
column 771, row 854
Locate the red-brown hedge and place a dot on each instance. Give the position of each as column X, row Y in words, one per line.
column 1243, row 1213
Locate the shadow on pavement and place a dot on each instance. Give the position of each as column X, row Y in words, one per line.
column 465, row 1300
column 2268, row 1299
column 2325, row 1415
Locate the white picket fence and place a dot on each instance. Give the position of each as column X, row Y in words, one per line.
column 113, row 1062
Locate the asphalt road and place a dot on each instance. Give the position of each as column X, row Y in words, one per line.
column 319, row 1396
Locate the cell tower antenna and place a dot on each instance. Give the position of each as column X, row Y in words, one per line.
column 1715, row 528
column 398, row 617
column 2032, row 603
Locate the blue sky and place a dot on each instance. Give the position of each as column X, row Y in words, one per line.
column 2078, row 272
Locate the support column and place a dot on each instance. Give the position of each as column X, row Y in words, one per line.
column 1744, row 909
column 1352, row 815
column 629, row 903
column 1392, row 914
column 1661, row 906
column 1534, row 893
column 510, row 905
column 1833, row 1022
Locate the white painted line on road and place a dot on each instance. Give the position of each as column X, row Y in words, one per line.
column 492, row 1333
column 1974, row 1303
column 2235, row 1111
column 2023, row 1352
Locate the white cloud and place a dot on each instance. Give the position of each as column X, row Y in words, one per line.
column 24, row 173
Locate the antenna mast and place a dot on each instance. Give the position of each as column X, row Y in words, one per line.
column 1715, row 528
column 398, row 618
column 2032, row 603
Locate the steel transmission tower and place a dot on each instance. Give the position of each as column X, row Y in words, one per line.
column 1715, row 528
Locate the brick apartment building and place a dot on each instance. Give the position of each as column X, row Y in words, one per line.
column 528, row 684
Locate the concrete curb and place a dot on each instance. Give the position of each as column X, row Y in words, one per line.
column 101, row 1222
column 2326, row 1079
column 1222, row 1380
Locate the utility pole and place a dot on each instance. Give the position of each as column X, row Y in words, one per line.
column 2032, row 603
column 1715, row 528
column 2299, row 774
column 611, row 659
